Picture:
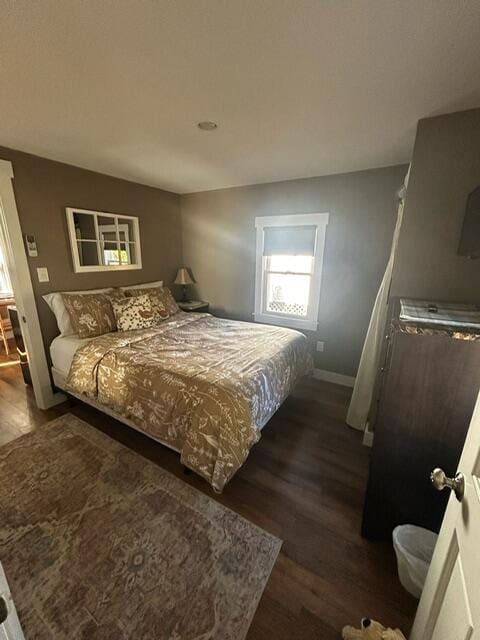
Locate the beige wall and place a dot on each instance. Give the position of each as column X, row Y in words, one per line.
column 445, row 169
column 219, row 246
column 44, row 188
column 219, row 233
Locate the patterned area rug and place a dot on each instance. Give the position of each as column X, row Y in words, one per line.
column 99, row 543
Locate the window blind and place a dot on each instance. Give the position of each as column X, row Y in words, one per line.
column 289, row 240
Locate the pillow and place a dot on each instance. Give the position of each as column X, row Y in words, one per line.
column 135, row 312
column 156, row 300
column 57, row 306
column 91, row 314
column 145, row 285
column 169, row 301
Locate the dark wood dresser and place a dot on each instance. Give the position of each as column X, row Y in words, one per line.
column 426, row 400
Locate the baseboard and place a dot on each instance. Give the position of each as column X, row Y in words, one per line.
column 331, row 376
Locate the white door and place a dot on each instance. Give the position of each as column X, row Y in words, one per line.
column 449, row 608
column 10, row 628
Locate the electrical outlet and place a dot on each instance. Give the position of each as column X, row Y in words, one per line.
column 320, row 345
column 42, row 273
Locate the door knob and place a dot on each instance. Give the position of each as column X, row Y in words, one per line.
column 440, row 481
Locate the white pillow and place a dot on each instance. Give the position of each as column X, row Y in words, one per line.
column 56, row 304
column 145, row 285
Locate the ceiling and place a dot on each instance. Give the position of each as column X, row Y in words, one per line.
column 298, row 87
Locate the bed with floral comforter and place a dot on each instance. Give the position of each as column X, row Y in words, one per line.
column 204, row 386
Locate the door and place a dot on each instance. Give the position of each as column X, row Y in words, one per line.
column 10, row 628
column 449, row 608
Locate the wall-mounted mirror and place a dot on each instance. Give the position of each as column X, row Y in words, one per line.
column 103, row 241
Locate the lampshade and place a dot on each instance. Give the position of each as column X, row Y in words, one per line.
column 183, row 277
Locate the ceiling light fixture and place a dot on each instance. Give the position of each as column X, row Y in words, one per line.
column 207, row 125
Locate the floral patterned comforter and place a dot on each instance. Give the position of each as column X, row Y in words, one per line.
column 203, row 385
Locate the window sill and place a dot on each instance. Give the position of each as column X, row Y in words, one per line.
column 106, row 267
column 281, row 321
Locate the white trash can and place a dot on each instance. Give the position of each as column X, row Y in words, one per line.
column 414, row 550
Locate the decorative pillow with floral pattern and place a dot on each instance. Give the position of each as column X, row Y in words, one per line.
column 156, row 300
column 135, row 312
column 91, row 314
column 169, row 301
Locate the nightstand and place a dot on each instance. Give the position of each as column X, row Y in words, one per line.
column 194, row 305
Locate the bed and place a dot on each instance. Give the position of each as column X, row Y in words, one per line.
column 203, row 386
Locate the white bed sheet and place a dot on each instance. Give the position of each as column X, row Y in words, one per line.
column 62, row 350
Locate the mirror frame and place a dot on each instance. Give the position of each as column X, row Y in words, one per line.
column 77, row 266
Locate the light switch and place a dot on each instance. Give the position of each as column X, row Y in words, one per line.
column 42, row 273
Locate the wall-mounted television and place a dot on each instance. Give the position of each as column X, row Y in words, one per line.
column 470, row 238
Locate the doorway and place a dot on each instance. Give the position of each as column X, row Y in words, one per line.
column 8, row 352
column 19, row 281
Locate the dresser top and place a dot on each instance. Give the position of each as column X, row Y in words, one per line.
column 425, row 317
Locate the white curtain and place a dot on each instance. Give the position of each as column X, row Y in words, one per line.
column 367, row 371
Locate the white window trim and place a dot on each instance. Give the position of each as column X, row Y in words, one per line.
column 79, row 268
column 320, row 220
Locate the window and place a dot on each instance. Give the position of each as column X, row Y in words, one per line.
column 103, row 241
column 289, row 269
column 111, row 254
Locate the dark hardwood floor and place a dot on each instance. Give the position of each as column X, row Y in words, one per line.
column 303, row 482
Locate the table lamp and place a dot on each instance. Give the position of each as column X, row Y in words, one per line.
column 184, row 278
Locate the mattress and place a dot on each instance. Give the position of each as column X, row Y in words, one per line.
column 62, row 350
